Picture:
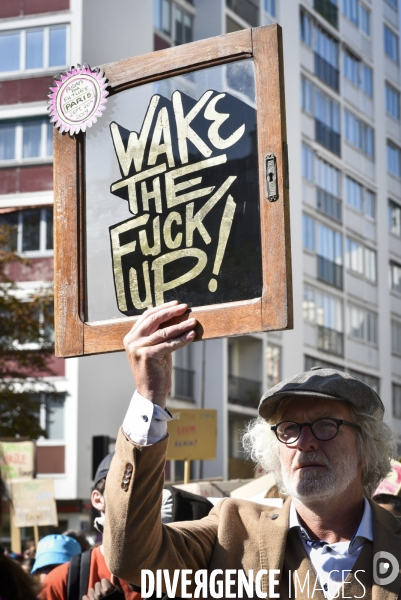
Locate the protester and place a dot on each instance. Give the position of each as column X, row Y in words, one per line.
column 91, row 570
column 15, row 584
column 389, row 502
column 323, row 436
column 53, row 550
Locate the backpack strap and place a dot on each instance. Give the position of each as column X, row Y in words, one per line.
column 78, row 575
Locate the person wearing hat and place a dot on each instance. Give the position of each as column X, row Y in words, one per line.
column 90, row 577
column 320, row 432
column 53, row 550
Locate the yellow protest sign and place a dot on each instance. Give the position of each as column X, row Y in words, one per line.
column 34, row 503
column 193, row 434
column 19, row 459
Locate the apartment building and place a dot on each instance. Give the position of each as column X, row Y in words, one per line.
column 342, row 77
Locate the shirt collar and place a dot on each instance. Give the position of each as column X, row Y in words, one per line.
column 364, row 531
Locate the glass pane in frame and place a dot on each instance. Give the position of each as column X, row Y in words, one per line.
column 172, row 194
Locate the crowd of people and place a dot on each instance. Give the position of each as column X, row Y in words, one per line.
column 321, row 433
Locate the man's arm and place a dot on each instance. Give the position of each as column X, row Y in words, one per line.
column 135, row 538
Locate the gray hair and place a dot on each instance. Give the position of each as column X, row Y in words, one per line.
column 375, row 445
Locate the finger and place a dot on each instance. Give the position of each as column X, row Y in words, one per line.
column 154, row 309
column 106, row 586
column 116, row 582
column 171, row 332
column 153, row 321
column 167, row 347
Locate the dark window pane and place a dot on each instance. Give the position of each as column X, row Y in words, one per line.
column 9, row 51
column 11, row 220
column 31, row 230
column 34, row 49
column 49, row 228
column 57, row 46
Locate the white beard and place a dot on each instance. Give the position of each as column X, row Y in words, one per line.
column 320, row 483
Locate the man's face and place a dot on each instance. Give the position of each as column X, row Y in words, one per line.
column 311, row 468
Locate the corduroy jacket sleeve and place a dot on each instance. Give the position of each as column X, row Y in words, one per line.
column 134, row 536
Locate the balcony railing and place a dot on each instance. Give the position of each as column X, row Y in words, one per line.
column 328, row 204
column 245, row 392
column 329, row 340
column 247, row 10
column 328, row 10
column 327, row 73
column 326, row 136
column 329, row 272
column 184, row 383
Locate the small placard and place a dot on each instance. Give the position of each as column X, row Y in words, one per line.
column 192, row 434
column 34, row 503
column 77, row 99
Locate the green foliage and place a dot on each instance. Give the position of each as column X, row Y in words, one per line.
column 26, row 347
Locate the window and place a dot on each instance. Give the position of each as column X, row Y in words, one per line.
column 358, row 133
column 307, row 95
column 364, row 22
column 328, row 189
column 393, row 3
column 308, row 233
column 351, row 67
column 392, row 102
column 173, row 21
column 390, row 44
column 30, row 49
column 396, row 337
column 270, row 7
column 394, row 217
column 307, row 163
column 329, row 254
column 327, row 122
column 311, row 362
column 183, row 383
column 367, row 80
column 326, row 312
column 33, row 230
column 360, row 260
column 395, row 277
column 326, row 57
column 273, row 364
column 350, row 10
column 51, row 411
column 353, row 193
column 396, row 401
column 25, row 140
column 305, row 28
column 362, row 325
column 370, row 204
column 370, row 380
column 393, row 159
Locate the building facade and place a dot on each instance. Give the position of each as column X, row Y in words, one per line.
column 342, row 80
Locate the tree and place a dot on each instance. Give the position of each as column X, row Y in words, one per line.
column 26, row 348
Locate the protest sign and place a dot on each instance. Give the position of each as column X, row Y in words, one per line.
column 19, row 459
column 192, row 434
column 178, row 191
column 33, row 503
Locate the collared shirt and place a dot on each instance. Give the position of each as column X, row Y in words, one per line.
column 332, row 562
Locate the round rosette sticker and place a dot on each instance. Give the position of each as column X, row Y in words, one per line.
column 77, row 99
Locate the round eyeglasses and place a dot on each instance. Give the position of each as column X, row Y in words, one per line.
column 289, row 432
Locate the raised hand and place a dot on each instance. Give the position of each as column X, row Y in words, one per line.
column 149, row 348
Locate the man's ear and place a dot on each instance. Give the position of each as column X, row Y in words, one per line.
column 98, row 501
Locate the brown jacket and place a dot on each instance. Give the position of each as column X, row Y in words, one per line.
column 237, row 534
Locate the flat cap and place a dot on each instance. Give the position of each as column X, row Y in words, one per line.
column 103, row 468
column 323, row 383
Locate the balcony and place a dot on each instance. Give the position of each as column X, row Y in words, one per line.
column 327, row 73
column 328, row 204
column 245, row 392
column 247, row 10
column 328, row 10
column 329, row 340
column 329, row 272
column 326, row 136
column 183, row 387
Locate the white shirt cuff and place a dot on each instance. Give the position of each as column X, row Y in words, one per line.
column 145, row 423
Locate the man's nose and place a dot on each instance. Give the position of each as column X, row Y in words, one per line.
column 307, row 440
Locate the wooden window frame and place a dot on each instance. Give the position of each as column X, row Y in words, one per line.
column 271, row 311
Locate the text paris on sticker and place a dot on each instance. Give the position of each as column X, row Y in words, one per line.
column 190, row 181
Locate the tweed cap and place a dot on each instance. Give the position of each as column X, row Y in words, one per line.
column 323, row 383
